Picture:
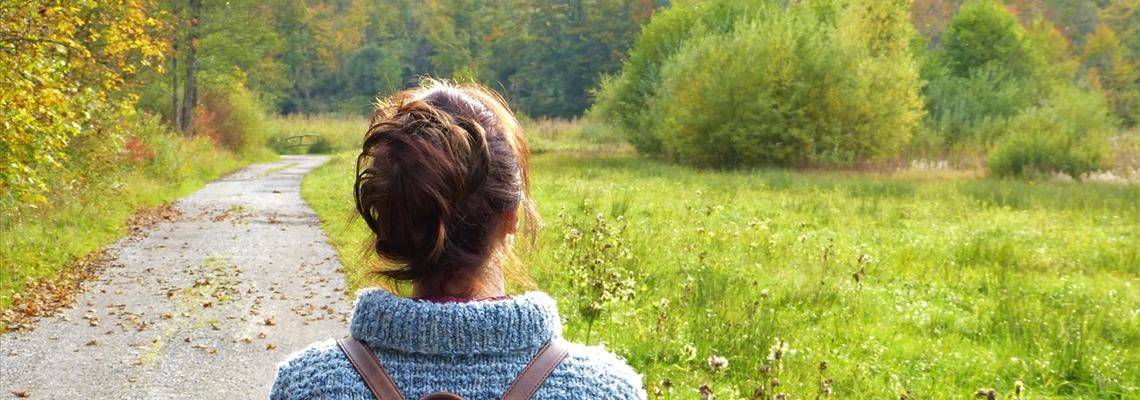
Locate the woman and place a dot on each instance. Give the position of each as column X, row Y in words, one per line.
column 442, row 181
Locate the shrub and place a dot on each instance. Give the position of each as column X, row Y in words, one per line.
column 789, row 87
column 622, row 99
column 962, row 108
column 1068, row 134
column 232, row 117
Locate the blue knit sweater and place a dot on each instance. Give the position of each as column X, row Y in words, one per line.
column 472, row 349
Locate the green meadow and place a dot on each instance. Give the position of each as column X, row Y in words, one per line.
column 912, row 285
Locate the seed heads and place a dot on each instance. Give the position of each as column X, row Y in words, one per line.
column 825, row 388
column 717, row 363
column 985, row 393
column 706, row 392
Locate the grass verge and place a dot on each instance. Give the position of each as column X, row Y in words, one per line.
column 37, row 247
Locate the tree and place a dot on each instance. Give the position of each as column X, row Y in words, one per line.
column 190, row 92
column 1123, row 17
column 175, row 116
column 984, row 33
column 1109, row 68
column 987, row 69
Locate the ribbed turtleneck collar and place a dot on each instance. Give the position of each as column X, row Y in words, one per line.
column 384, row 320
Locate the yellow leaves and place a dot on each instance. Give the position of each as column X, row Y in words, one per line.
column 59, row 69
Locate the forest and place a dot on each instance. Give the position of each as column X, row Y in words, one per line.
column 817, row 163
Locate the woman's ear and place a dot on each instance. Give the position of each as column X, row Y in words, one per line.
column 511, row 221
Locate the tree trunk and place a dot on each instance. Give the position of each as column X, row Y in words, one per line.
column 190, row 93
column 175, row 120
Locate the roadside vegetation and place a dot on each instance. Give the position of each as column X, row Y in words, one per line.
column 82, row 154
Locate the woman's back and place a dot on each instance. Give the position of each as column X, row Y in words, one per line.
column 474, row 349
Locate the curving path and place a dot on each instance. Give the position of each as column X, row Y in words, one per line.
column 201, row 307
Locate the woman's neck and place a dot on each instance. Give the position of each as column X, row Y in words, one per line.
column 489, row 284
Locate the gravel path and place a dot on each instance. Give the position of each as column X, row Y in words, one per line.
column 201, row 307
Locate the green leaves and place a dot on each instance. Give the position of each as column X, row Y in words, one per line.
column 814, row 82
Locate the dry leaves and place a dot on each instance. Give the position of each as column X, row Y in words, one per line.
column 150, row 217
column 46, row 297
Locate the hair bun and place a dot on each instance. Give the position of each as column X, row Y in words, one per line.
column 435, row 171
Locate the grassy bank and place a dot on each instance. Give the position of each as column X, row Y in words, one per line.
column 38, row 244
column 929, row 286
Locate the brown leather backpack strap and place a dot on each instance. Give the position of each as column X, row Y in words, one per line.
column 366, row 364
column 537, row 370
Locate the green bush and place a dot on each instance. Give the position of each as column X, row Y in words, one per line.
column 968, row 107
column 622, row 99
column 792, row 85
column 1068, row 134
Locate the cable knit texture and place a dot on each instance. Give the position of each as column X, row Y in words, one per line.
column 473, row 349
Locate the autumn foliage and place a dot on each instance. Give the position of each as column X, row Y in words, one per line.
column 64, row 66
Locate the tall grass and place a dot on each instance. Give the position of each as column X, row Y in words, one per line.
column 337, row 133
column 905, row 286
column 571, row 135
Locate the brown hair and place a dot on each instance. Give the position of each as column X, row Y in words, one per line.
column 440, row 166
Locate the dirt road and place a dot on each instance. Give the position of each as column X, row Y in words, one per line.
column 201, row 307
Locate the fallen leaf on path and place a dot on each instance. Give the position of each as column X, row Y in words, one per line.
column 21, row 393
